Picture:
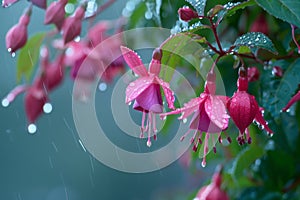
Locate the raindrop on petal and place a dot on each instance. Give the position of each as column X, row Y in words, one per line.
column 184, row 120
column 131, row 84
column 203, row 164
column 32, row 128
column 47, row 108
column 102, row 87
column 5, row 102
column 149, row 143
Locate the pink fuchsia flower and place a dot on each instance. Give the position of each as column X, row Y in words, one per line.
column 187, row 14
column 213, row 191
column 253, row 74
column 210, row 115
column 52, row 73
column 115, row 68
column 243, row 109
column 71, row 27
column 55, row 13
column 146, row 90
column 35, row 99
column 293, row 100
column 16, row 37
column 98, row 33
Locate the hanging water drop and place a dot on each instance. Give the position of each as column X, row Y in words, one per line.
column 203, row 164
column 184, row 120
column 5, row 102
column 102, row 87
column 148, row 143
column 32, row 128
column 9, row 50
column 47, row 108
column 13, row 54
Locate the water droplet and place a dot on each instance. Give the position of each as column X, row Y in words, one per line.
column 164, row 118
column 149, row 143
column 233, row 100
column 77, row 39
column 184, row 120
column 129, row 103
column 13, row 54
column 102, row 87
column 9, row 50
column 148, row 15
column 47, row 108
column 203, row 164
column 131, row 84
column 69, row 8
column 5, row 102
column 257, row 39
column 32, row 128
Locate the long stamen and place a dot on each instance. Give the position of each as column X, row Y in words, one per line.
column 149, row 129
column 182, row 137
column 143, row 125
column 194, row 136
column 205, row 150
column 249, row 140
column 154, row 127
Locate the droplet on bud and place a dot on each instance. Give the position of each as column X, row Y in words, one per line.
column 102, row 87
column 203, row 163
column 32, row 128
column 5, row 102
column 47, row 108
column 149, row 143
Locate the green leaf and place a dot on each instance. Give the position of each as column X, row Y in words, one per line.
column 255, row 40
column 286, row 10
column 231, row 8
column 193, row 28
column 245, row 158
column 244, row 50
column 29, row 56
column 199, row 6
column 286, row 89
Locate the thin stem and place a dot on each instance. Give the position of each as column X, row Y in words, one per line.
column 214, row 29
column 294, row 38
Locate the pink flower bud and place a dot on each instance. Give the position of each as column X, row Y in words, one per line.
column 277, row 71
column 54, row 73
column 16, row 37
column 260, row 25
column 35, row 99
column 187, row 14
column 213, row 191
column 55, row 13
column 253, row 74
column 71, row 27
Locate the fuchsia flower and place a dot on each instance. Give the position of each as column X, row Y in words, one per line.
column 16, row 37
column 71, row 27
column 243, row 109
column 145, row 91
column 209, row 114
column 52, row 73
column 35, row 99
column 213, row 191
column 98, row 33
column 55, row 13
column 293, row 100
column 187, row 14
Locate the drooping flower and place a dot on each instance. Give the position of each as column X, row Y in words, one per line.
column 213, row 191
column 16, row 37
column 52, row 73
column 187, row 14
column 293, row 100
column 35, row 99
column 71, row 27
column 210, row 115
column 55, row 13
column 98, row 33
column 146, row 90
column 243, row 109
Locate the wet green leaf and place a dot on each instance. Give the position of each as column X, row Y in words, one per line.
column 28, row 56
column 286, row 10
column 255, row 40
column 199, row 6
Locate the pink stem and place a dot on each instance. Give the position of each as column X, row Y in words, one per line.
column 294, row 38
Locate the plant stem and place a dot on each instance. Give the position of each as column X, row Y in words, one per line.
column 214, row 29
